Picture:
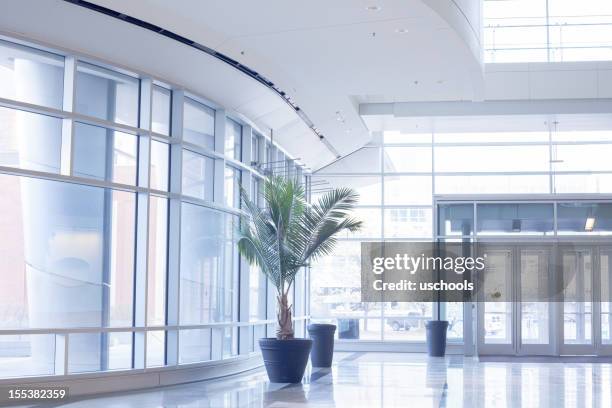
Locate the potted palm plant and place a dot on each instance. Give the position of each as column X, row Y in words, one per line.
column 282, row 238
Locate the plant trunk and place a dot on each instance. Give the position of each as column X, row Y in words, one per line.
column 285, row 324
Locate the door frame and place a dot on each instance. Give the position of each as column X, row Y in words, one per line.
column 516, row 346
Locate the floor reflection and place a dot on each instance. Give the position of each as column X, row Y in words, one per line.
column 392, row 380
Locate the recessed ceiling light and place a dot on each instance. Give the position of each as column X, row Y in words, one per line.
column 401, row 30
column 373, row 8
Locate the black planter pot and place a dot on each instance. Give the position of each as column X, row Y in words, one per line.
column 285, row 360
column 436, row 337
column 322, row 336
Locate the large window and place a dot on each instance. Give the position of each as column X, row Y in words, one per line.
column 30, row 75
column 110, row 222
column 399, row 180
column 198, row 124
column 107, row 94
column 20, row 131
column 547, row 30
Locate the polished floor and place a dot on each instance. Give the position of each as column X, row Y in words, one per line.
column 392, row 380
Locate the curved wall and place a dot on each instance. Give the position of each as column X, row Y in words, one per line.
column 118, row 218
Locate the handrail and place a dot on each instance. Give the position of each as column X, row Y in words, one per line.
column 135, row 329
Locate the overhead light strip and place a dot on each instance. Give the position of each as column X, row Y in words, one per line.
column 237, row 65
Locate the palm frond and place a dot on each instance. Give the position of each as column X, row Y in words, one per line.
column 282, row 237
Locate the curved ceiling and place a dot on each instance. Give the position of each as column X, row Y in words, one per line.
column 327, row 56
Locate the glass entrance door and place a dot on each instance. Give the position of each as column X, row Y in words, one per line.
column 515, row 327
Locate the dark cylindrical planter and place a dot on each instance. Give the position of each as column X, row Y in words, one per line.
column 322, row 336
column 436, row 337
column 285, row 360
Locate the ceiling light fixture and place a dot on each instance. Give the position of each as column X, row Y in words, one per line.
column 589, row 224
column 373, row 8
column 401, row 30
column 339, row 117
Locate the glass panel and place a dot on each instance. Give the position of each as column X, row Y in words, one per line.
column 104, row 154
column 371, row 223
column 491, row 137
column 107, row 94
column 534, row 284
column 491, row 158
column 584, row 218
column 208, row 266
column 492, row 184
column 160, row 116
column 198, row 175
column 336, row 297
column 257, row 294
column 30, row 141
column 27, row 355
column 255, row 149
column 577, row 285
column 230, row 342
column 232, row 187
column 32, row 76
column 255, row 190
column 406, row 321
column 515, row 219
column 156, row 348
column 595, row 157
column 369, row 188
column 407, row 159
column 195, row 345
column 517, row 37
column 583, row 183
column 454, row 316
column 69, row 262
column 407, row 190
column 198, row 124
column 582, row 136
column 455, row 219
column 408, row 223
column 518, row 25
column 160, row 165
column 364, row 160
column 498, row 315
column 158, row 244
column 516, row 55
column 90, row 352
column 394, row 137
column 233, row 139
column 515, row 12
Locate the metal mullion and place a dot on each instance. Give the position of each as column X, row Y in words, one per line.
column 219, row 163
column 211, row 205
column 67, row 148
column 161, row 138
column 490, row 144
column 122, row 329
column 174, row 229
column 94, row 121
column 244, row 271
column 33, row 108
column 70, row 179
column 382, row 231
column 142, row 225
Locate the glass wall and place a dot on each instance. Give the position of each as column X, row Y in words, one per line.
column 547, row 30
column 398, row 180
column 110, row 222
